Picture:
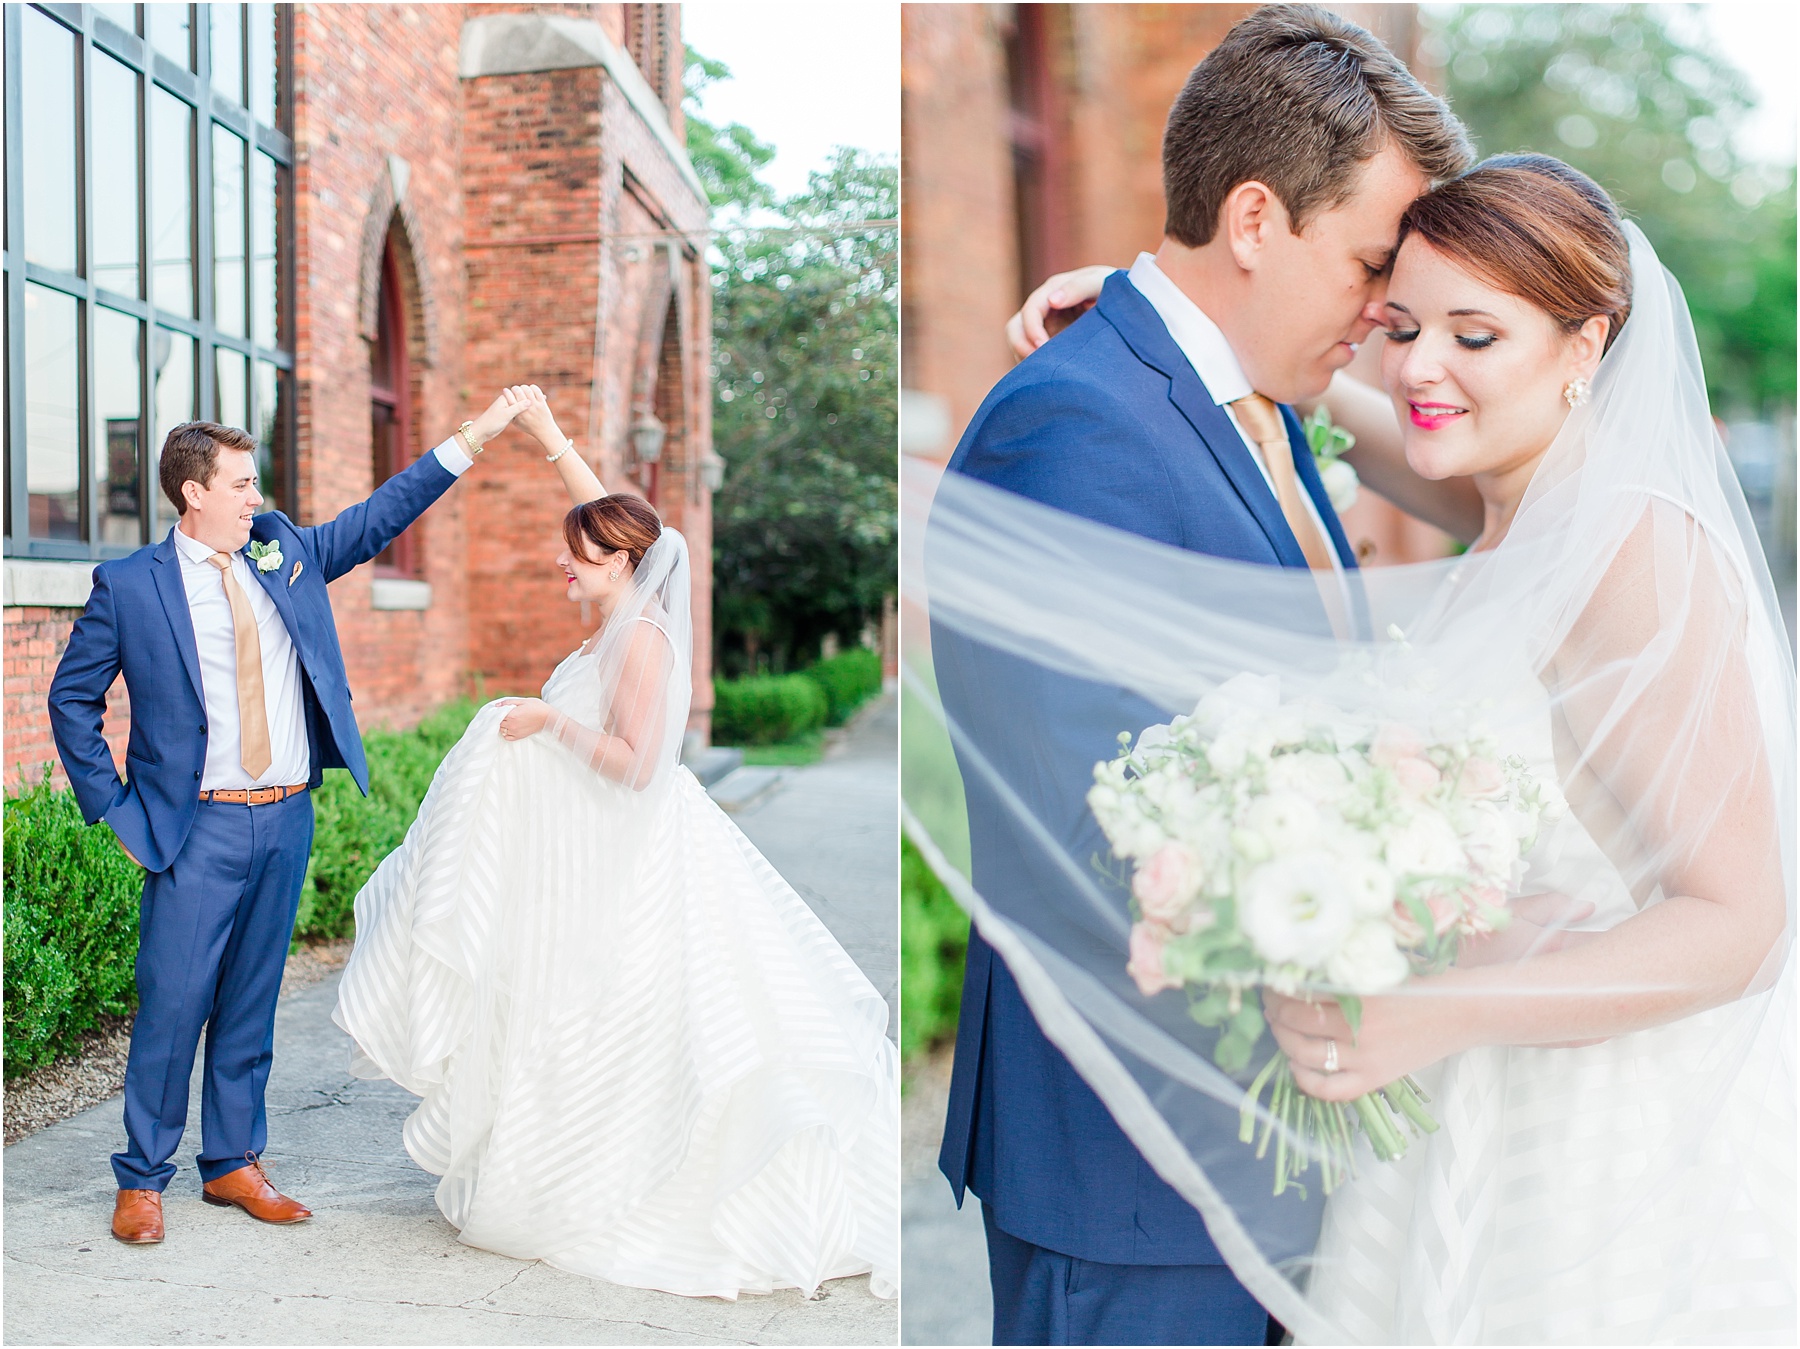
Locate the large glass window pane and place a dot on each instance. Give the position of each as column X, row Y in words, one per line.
column 225, row 31
column 117, row 423
column 53, row 413
column 169, row 31
column 265, row 228
column 228, row 231
column 114, row 140
column 47, row 149
column 123, row 15
column 174, row 395
column 232, row 390
column 271, row 436
column 171, row 202
column 263, row 70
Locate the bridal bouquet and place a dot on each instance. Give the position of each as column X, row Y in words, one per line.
column 1284, row 843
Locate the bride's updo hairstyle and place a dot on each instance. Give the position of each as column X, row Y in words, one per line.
column 617, row 521
column 1533, row 227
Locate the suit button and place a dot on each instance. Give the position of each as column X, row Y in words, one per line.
column 196, row 777
column 203, row 730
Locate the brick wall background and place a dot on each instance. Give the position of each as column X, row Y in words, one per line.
column 530, row 215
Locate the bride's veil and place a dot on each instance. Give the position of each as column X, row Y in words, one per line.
column 1624, row 639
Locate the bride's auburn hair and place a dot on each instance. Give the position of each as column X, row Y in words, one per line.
column 611, row 523
column 1535, row 228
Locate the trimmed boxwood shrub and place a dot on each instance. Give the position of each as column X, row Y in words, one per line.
column 72, row 894
column 351, row 833
column 849, row 679
column 71, row 926
column 766, row 709
column 934, row 941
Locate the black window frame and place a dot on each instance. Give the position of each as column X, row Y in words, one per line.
column 94, row 30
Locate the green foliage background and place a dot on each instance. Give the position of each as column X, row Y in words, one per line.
column 806, row 342
column 1637, row 98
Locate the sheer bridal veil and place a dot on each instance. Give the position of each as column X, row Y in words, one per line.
column 1623, row 641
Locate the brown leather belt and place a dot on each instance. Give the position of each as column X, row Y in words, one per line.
column 251, row 796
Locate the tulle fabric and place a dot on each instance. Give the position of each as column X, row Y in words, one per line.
column 1623, row 639
column 640, row 1056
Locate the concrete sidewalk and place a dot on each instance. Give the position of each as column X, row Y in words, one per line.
column 378, row 1264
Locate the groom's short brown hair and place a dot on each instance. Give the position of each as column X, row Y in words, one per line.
column 1296, row 98
column 190, row 453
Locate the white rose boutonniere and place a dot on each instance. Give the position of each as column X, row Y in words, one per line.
column 1328, row 443
column 266, row 556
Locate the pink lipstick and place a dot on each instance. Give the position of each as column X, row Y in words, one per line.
column 1434, row 416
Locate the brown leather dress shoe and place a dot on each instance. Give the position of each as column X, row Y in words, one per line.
column 137, row 1217
column 250, row 1190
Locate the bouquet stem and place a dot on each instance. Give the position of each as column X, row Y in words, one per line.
column 1305, row 1128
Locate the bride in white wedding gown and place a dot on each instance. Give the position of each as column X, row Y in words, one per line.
column 641, row 1057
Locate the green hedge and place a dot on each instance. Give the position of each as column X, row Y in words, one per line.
column 351, row 834
column 775, row 709
column 72, row 894
column 934, row 940
column 766, row 709
column 71, row 926
column 849, row 680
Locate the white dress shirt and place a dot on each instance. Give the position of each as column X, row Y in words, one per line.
column 1213, row 360
column 216, row 639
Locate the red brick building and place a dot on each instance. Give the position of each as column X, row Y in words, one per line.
column 345, row 228
column 1032, row 142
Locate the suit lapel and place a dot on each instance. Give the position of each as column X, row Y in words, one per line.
column 273, row 583
column 173, row 592
column 1143, row 331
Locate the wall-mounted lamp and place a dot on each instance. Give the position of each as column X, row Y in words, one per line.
column 647, row 434
column 712, row 472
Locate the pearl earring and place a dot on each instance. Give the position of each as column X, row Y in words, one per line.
column 1575, row 392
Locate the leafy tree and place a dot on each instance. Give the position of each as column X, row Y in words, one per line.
column 1634, row 97
column 806, row 390
column 806, row 340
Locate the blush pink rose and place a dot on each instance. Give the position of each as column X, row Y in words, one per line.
column 1166, row 882
column 1417, row 776
column 1481, row 778
column 1407, row 931
column 1146, row 964
column 1393, row 743
column 1444, row 911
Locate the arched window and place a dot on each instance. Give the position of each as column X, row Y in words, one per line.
column 390, row 406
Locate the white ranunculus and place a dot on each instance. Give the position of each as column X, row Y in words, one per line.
column 1424, row 844
column 1320, row 778
column 1296, row 910
column 1370, row 885
column 1340, row 483
column 1367, row 961
column 1490, row 839
column 1286, row 819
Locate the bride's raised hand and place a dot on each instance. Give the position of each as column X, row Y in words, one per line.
column 537, row 421
column 499, row 414
column 1053, row 306
column 527, row 717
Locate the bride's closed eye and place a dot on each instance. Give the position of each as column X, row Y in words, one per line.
column 1480, row 343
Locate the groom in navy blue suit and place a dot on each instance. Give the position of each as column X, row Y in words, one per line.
column 1289, row 158
column 239, row 702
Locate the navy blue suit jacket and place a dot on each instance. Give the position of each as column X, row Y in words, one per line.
column 137, row 622
column 1109, row 422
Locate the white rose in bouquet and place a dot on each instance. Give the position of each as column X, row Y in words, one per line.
column 1424, row 844
column 1320, row 778
column 1368, row 961
column 1490, row 838
column 1296, row 910
column 1286, row 820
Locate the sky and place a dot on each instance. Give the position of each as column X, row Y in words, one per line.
column 1759, row 39
column 805, row 76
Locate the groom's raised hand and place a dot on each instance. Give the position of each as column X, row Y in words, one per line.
column 500, row 413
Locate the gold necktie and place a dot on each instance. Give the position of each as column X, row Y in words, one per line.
column 253, row 720
column 1262, row 420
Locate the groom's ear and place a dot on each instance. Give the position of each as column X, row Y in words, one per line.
column 1247, row 219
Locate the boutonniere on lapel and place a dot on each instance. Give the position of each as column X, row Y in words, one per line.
column 266, row 556
column 295, row 574
column 1328, row 443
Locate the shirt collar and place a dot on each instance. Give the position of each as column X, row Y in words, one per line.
column 191, row 548
column 1198, row 336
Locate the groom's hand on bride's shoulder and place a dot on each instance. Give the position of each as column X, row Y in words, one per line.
column 1053, row 306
